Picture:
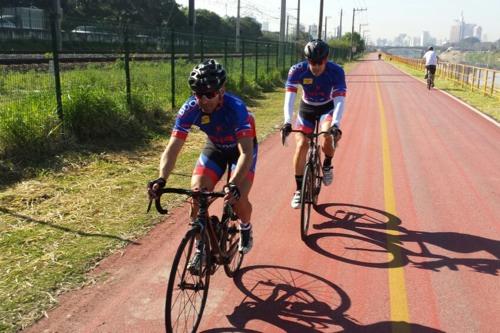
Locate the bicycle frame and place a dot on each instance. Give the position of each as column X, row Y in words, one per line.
column 201, row 223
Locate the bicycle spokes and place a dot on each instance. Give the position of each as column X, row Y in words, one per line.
column 187, row 288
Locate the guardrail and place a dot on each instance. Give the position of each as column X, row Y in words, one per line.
column 474, row 78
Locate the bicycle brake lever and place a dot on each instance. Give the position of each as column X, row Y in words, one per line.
column 149, row 205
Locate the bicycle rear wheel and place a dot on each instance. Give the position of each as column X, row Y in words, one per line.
column 187, row 292
column 229, row 244
column 306, row 199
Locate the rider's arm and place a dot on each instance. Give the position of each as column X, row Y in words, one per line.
column 244, row 163
column 288, row 107
column 338, row 111
column 169, row 156
column 338, row 95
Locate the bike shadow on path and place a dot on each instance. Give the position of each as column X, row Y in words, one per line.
column 365, row 235
column 293, row 300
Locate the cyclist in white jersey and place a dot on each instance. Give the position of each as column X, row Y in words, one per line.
column 324, row 90
column 431, row 61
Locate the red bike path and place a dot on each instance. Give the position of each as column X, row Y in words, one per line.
column 405, row 240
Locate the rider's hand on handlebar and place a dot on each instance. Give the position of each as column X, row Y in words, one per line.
column 232, row 192
column 286, row 129
column 154, row 186
column 336, row 132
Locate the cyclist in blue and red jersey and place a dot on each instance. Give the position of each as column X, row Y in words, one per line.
column 324, row 91
column 231, row 140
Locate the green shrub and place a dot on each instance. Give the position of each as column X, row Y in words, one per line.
column 91, row 115
column 29, row 129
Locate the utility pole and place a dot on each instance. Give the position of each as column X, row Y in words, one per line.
column 326, row 26
column 298, row 20
column 238, row 28
column 282, row 28
column 354, row 10
column 191, row 21
column 361, row 25
column 58, row 11
column 320, row 18
column 287, row 22
column 340, row 27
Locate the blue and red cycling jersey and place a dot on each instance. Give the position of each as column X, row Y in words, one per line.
column 320, row 89
column 223, row 127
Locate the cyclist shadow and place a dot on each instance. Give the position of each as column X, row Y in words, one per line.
column 297, row 301
column 29, row 219
column 380, row 232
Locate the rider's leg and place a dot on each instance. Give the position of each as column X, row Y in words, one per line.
column 200, row 182
column 327, row 141
column 299, row 159
column 243, row 208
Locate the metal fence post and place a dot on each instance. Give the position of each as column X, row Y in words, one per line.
column 493, row 83
column 267, row 58
column 127, row 69
column 284, row 56
column 55, row 58
column 172, row 67
column 256, row 60
column 242, row 79
column 485, row 82
column 278, row 55
column 225, row 53
column 202, row 51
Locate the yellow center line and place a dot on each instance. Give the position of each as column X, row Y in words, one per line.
column 397, row 288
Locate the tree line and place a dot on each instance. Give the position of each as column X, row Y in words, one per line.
column 150, row 14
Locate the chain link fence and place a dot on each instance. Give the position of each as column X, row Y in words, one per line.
column 69, row 85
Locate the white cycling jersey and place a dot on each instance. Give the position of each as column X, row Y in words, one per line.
column 430, row 58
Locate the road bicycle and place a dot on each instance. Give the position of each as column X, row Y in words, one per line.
column 430, row 79
column 312, row 178
column 217, row 240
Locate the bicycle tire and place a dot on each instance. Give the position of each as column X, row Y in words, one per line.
column 229, row 243
column 181, row 282
column 306, row 200
column 318, row 181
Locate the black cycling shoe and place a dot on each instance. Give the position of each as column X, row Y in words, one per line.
column 246, row 240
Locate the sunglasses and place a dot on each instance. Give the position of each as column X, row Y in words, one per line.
column 208, row 94
column 316, row 63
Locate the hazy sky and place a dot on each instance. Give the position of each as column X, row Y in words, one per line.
column 384, row 18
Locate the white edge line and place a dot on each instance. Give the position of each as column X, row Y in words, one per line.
column 491, row 120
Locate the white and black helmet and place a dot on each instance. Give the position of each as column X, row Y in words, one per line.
column 316, row 50
column 207, row 76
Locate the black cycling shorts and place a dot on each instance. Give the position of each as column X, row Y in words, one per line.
column 308, row 114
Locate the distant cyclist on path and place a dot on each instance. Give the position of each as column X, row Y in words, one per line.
column 431, row 61
column 324, row 91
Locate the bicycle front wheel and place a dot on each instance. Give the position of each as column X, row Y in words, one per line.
column 230, row 240
column 306, row 199
column 187, row 286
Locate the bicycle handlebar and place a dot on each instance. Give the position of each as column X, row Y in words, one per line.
column 190, row 193
column 308, row 135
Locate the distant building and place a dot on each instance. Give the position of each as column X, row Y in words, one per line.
column 425, row 39
column 461, row 30
column 477, row 31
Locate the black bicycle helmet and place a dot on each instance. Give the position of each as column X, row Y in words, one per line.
column 207, row 76
column 430, row 48
column 316, row 50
